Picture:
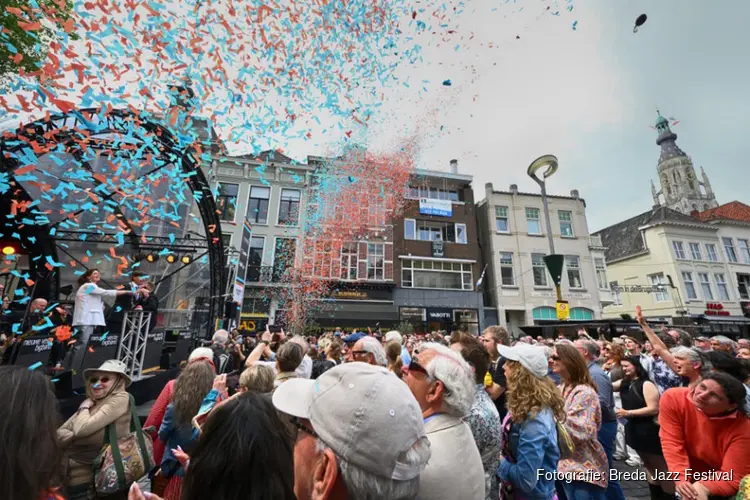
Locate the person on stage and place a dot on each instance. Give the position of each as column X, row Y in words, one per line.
column 88, row 314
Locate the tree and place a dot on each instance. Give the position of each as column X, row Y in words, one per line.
column 26, row 33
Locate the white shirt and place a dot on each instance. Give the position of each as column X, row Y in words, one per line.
column 89, row 306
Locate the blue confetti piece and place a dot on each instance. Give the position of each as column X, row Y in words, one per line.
column 447, row 83
column 575, row 25
column 35, row 366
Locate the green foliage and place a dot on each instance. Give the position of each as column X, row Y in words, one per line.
column 19, row 33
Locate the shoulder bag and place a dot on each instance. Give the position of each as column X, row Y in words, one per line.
column 123, row 461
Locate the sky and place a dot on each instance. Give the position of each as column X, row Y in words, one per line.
column 587, row 95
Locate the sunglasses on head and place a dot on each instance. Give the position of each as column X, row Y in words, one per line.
column 103, row 379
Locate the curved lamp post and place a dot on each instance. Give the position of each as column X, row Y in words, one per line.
column 548, row 165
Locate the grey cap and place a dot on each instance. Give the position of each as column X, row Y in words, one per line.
column 364, row 413
column 531, row 357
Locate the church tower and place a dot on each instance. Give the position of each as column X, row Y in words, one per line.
column 680, row 188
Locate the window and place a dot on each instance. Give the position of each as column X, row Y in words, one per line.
column 616, row 294
column 659, row 280
column 375, row 261
column 687, row 278
column 601, row 274
column 532, row 221
column 289, row 207
column 349, row 262
column 566, row 223
column 226, row 240
column 507, row 276
column 410, row 229
column 283, row 258
column 257, row 204
column 436, row 274
column 417, row 192
column 581, row 314
column 255, row 258
column 226, row 201
column 539, row 269
column 695, row 251
column 744, row 251
column 573, row 263
column 461, row 233
column 708, row 294
column 429, row 232
column 679, row 250
column 721, row 286
column 713, row 255
column 548, row 313
column 729, row 249
column 501, row 219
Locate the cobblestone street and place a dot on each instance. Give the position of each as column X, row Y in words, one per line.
column 633, row 489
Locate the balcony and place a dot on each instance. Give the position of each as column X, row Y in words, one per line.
column 595, row 241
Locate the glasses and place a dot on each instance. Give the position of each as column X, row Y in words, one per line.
column 296, row 422
column 360, row 354
column 555, row 357
column 103, row 380
column 416, row 367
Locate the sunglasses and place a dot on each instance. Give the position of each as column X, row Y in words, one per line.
column 103, row 380
column 416, row 367
column 360, row 354
column 296, row 422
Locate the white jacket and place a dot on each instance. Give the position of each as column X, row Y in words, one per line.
column 89, row 308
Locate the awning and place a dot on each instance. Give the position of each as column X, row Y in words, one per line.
column 723, row 319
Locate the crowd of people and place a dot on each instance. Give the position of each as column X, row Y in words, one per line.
column 371, row 416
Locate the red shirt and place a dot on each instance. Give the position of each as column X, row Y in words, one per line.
column 695, row 444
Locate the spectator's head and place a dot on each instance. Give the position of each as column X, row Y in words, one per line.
column 726, row 363
column 722, row 343
column 299, row 339
column 190, row 388
column 394, row 335
column 369, row 350
column 668, row 340
column 494, row 336
column 334, row 350
column 201, row 353
column 90, row 276
column 529, row 388
column 289, row 357
column 221, row 337
column 743, row 344
column 244, row 451
column 633, row 369
column 613, row 352
column 570, row 365
column 743, row 353
column 30, row 457
column 393, row 353
column 38, row 305
column 681, row 337
column 689, row 362
column 360, row 434
column 588, row 349
column 474, row 353
column 441, row 381
column 720, row 394
column 257, row 378
column 136, row 277
column 109, row 378
column 633, row 346
column 703, row 343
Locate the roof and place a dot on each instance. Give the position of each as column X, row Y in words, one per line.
column 538, row 195
column 443, row 175
column 623, row 240
column 734, row 210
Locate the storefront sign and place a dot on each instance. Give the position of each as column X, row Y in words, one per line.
column 563, row 310
column 715, row 309
column 413, row 314
column 745, row 305
column 253, row 322
column 437, row 248
column 443, row 315
column 442, row 208
column 361, row 294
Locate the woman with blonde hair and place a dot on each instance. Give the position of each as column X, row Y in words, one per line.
column 393, row 353
column 583, row 418
column 530, row 451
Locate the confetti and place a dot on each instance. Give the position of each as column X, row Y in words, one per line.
column 35, row 366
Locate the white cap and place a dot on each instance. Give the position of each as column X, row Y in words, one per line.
column 531, row 357
column 394, row 335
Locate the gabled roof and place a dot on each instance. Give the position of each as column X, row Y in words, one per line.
column 734, row 210
column 624, row 239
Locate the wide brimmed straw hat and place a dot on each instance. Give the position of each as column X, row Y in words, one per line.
column 111, row 366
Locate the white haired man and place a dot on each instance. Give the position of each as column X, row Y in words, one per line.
column 369, row 350
column 396, row 335
column 359, row 435
column 443, row 385
column 221, row 355
column 304, row 370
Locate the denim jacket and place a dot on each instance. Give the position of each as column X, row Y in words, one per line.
column 534, row 447
column 174, row 435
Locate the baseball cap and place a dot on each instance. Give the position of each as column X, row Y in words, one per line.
column 531, row 357
column 354, row 337
column 364, row 413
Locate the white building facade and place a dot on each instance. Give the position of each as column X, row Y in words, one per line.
column 513, row 234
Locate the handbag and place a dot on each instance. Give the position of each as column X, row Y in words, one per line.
column 564, row 441
column 123, row 461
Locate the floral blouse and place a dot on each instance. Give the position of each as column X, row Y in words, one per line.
column 486, row 427
column 583, row 419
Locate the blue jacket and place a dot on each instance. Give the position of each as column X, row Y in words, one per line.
column 534, row 446
column 173, row 435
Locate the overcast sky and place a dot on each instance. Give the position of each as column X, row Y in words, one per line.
column 587, row 95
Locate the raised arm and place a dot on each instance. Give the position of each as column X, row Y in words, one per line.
column 659, row 346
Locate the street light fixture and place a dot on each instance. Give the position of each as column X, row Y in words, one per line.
column 548, row 165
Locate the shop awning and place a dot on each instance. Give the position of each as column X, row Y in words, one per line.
column 723, row 319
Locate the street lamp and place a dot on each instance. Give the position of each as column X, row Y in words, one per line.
column 548, row 165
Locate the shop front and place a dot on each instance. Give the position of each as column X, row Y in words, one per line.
column 431, row 319
column 357, row 308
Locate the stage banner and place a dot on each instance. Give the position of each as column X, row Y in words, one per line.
column 239, row 281
column 442, row 208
